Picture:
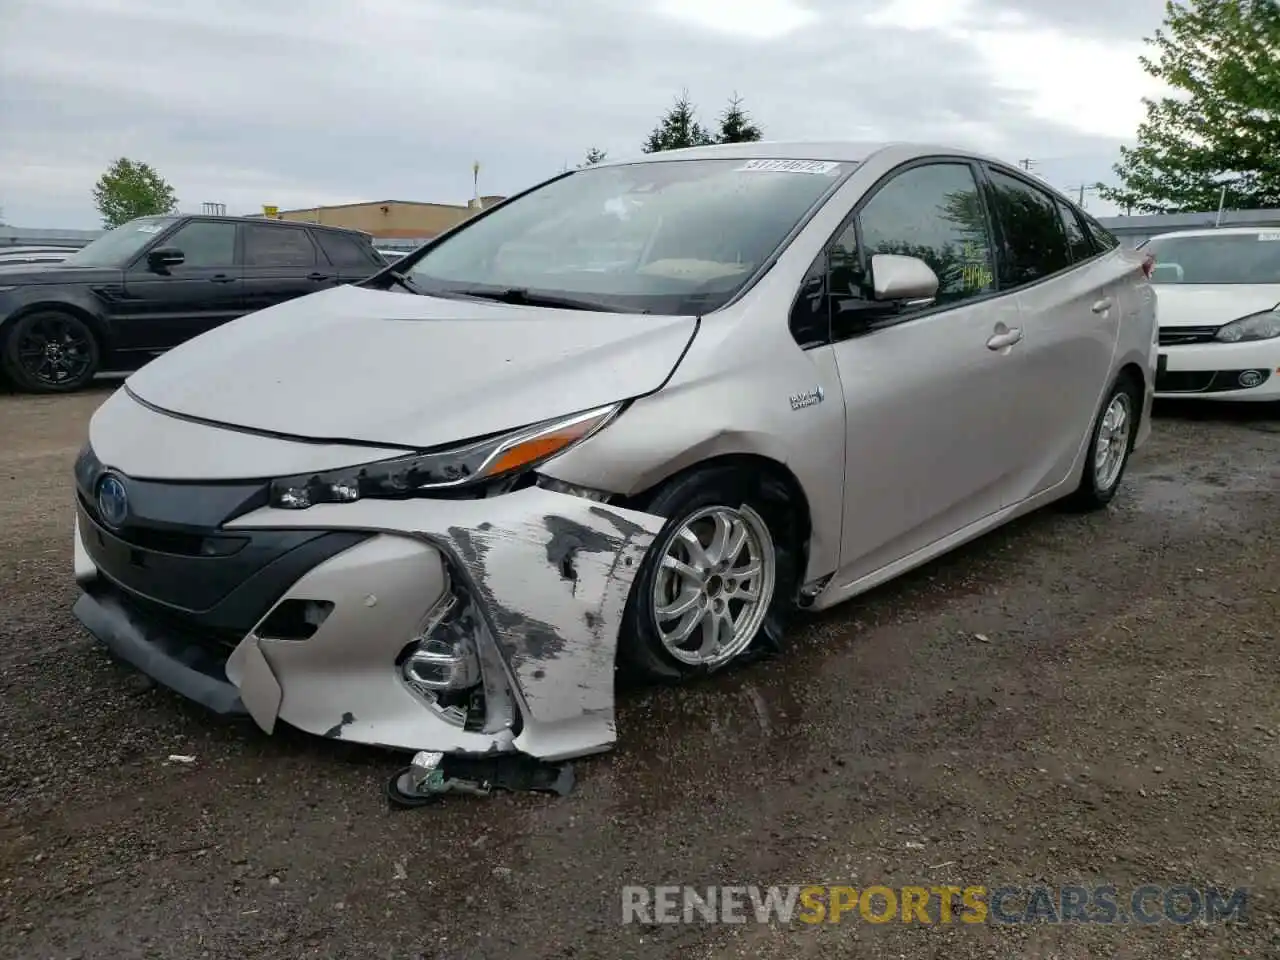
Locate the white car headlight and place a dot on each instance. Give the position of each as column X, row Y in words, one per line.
column 1259, row 326
column 462, row 469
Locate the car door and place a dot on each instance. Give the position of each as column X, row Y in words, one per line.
column 164, row 306
column 928, row 386
column 281, row 262
column 1071, row 302
column 350, row 254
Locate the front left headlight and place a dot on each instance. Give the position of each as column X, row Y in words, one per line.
column 456, row 469
column 1259, row 326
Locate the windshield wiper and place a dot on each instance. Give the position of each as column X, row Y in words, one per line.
column 522, row 296
column 404, row 281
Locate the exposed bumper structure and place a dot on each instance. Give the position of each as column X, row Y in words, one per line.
column 1248, row 371
column 461, row 626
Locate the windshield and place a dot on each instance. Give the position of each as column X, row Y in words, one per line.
column 674, row 236
column 1227, row 258
column 117, row 247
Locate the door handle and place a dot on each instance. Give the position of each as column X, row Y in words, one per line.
column 221, row 278
column 1004, row 339
column 317, row 276
column 1102, row 306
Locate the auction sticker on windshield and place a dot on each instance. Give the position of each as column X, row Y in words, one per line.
column 820, row 167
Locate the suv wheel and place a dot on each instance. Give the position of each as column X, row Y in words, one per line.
column 50, row 352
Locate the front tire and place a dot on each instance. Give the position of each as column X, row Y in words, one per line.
column 717, row 582
column 50, row 351
column 1110, row 443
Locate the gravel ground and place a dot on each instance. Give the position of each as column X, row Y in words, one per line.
column 1069, row 700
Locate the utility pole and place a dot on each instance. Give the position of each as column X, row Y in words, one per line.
column 1081, row 190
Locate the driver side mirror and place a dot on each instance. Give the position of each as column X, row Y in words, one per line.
column 164, row 257
column 895, row 277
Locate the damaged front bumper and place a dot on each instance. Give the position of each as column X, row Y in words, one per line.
column 458, row 626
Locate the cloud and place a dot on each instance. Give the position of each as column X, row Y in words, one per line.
column 247, row 102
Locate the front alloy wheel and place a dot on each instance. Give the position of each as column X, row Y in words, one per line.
column 719, row 581
column 714, row 584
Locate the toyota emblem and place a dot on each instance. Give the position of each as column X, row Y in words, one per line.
column 113, row 501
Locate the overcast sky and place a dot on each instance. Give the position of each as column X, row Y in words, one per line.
column 252, row 102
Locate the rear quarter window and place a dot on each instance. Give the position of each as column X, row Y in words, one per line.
column 344, row 250
column 1102, row 237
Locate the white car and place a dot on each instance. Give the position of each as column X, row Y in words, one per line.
column 1218, row 302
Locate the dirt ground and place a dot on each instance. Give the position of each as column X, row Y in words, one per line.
column 1070, row 700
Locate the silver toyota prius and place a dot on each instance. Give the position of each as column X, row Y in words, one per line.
column 633, row 418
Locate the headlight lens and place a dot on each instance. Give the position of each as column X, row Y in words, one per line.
column 477, row 463
column 1260, row 326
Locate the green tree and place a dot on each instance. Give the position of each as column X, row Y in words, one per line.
column 735, row 124
column 594, row 156
column 1221, row 126
column 129, row 189
column 678, row 128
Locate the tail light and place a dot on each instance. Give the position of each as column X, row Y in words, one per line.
column 1148, row 265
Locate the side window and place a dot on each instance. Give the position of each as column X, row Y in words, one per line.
column 1035, row 239
column 933, row 212
column 344, row 250
column 1078, row 241
column 205, row 243
column 277, row 247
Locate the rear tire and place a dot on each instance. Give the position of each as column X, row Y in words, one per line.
column 50, row 351
column 718, row 582
column 1110, row 443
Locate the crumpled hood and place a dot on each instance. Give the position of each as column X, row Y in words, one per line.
column 1211, row 304
column 394, row 368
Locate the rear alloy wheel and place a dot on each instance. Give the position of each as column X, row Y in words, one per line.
column 1110, row 444
column 717, row 580
column 51, row 352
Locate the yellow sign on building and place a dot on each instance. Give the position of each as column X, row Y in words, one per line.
column 269, row 211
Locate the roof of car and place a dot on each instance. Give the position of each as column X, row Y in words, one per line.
column 845, row 151
column 1216, row 232
column 258, row 218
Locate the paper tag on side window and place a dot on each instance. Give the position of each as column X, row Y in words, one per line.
column 819, row 167
column 1269, row 235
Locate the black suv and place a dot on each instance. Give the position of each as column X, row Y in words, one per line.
column 156, row 282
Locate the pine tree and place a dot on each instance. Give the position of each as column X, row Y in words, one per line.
column 678, row 128
column 736, row 125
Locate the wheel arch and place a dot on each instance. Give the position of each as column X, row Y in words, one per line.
column 93, row 322
column 778, row 483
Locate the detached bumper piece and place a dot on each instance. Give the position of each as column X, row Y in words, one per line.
column 181, row 662
column 1210, row 381
column 432, row 775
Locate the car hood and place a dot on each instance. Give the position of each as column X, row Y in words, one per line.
column 15, row 274
column 1211, row 304
column 393, row 368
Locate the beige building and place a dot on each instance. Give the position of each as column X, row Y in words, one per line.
column 391, row 219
